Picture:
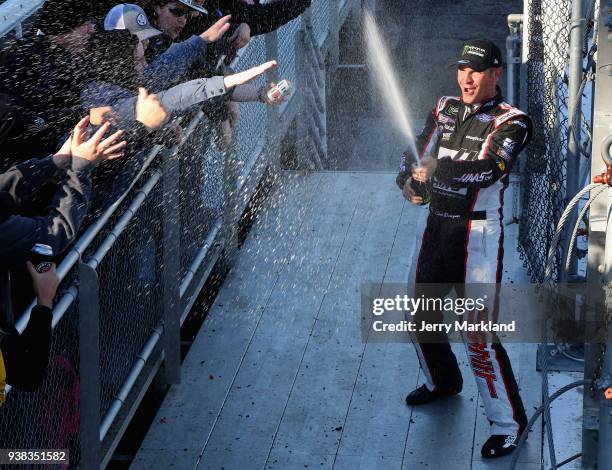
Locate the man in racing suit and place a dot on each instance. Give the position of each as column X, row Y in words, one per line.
column 467, row 149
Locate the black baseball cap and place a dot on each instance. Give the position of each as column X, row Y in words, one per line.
column 480, row 55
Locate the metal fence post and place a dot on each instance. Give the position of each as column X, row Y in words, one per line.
column 513, row 49
column 229, row 233
column 598, row 228
column 273, row 138
column 89, row 366
column 171, row 268
column 574, row 110
column 302, row 86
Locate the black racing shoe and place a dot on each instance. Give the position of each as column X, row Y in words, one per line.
column 499, row 445
column 422, row 395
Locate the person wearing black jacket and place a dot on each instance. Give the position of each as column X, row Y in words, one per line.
column 23, row 131
column 260, row 18
column 24, row 358
column 46, row 69
column 59, row 223
column 466, row 152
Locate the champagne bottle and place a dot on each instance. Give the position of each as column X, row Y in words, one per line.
column 422, row 190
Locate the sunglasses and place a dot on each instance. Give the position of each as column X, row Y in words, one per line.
column 178, row 12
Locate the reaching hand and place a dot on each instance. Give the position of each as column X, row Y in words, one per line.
column 216, row 31
column 241, row 36
column 45, row 284
column 149, row 111
column 95, row 149
column 241, row 78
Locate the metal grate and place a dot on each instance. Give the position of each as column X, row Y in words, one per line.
column 130, row 296
column 286, row 50
column 49, row 417
column 252, row 125
column 201, row 191
column 320, row 19
column 545, row 168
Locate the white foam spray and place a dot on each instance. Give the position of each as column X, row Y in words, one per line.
column 380, row 64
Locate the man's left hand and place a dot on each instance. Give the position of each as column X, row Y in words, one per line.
column 410, row 195
column 425, row 169
column 45, row 284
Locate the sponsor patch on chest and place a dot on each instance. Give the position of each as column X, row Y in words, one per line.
column 444, row 119
column 482, row 117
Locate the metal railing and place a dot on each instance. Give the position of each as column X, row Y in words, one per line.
column 134, row 274
column 13, row 13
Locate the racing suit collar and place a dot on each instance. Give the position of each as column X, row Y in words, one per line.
column 466, row 110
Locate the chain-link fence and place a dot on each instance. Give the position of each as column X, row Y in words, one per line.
column 201, row 192
column 143, row 258
column 321, row 18
column 49, row 417
column 544, row 191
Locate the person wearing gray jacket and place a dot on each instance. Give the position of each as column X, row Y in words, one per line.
column 118, row 58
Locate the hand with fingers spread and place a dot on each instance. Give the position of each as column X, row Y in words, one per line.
column 241, row 78
column 217, row 30
column 149, row 111
column 96, row 148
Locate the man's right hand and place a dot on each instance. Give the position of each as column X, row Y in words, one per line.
column 45, row 285
column 217, row 30
column 95, row 149
column 149, row 110
column 410, row 195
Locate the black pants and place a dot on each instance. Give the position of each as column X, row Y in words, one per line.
column 458, row 252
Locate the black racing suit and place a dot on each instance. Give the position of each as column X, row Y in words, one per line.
column 461, row 241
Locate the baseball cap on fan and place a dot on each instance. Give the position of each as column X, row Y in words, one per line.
column 130, row 17
column 480, row 55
